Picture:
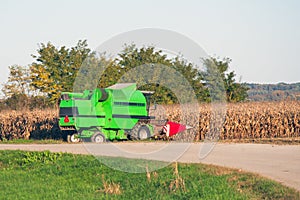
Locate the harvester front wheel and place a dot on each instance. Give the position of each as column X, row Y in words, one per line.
column 143, row 132
column 73, row 138
column 98, row 138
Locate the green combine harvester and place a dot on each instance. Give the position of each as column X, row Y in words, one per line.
column 118, row 112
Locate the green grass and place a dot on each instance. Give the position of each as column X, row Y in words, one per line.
column 31, row 141
column 45, row 175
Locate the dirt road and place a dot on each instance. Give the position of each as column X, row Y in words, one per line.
column 279, row 162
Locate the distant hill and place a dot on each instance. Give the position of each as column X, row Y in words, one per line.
column 273, row 92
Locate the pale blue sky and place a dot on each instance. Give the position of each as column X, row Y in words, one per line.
column 261, row 36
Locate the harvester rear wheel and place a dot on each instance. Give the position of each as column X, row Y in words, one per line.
column 143, row 132
column 98, row 138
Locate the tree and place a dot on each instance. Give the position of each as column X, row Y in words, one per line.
column 55, row 69
column 18, row 81
column 17, row 88
column 137, row 65
column 193, row 76
column 18, row 101
column 173, row 80
column 96, row 71
column 223, row 81
column 213, row 82
column 78, row 68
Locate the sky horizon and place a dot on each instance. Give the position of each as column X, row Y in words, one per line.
column 261, row 37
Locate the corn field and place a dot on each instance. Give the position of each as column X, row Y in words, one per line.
column 240, row 121
column 37, row 124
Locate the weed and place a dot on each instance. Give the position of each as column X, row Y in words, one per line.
column 44, row 157
column 178, row 182
column 110, row 187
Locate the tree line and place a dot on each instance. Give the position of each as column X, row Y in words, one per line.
column 273, row 92
column 56, row 69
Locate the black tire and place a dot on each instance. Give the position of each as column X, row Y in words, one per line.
column 98, row 138
column 143, row 132
column 134, row 132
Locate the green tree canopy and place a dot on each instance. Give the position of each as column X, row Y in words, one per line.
column 221, row 81
column 172, row 79
column 19, row 94
column 55, row 69
column 18, row 81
